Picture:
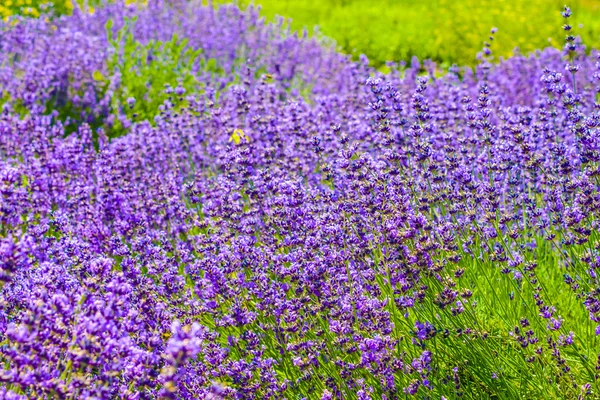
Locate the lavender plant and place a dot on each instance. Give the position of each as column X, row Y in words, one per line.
column 386, row 236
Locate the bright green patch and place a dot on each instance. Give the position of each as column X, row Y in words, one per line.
column 447, row 31
column 144, row 76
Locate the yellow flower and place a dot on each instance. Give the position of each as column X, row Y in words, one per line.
column 237, row 136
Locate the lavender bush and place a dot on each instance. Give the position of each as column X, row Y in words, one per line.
column 294, row 224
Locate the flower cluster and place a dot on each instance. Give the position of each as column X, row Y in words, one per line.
column 300, row 226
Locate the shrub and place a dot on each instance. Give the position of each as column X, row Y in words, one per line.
column 140, row 76
column 399, row 235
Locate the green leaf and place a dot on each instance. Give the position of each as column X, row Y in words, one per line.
column 109, row 26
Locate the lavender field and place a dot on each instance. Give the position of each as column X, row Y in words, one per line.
column 198, row 204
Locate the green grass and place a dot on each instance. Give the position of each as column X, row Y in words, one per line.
column 447, row 31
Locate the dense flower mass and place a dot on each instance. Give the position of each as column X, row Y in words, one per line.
column 290, row 223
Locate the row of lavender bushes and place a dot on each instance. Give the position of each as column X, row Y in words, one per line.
column 288, row 223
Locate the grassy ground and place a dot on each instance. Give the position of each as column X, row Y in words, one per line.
column 448, row 31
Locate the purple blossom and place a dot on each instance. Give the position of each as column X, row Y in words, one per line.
column 301, row 226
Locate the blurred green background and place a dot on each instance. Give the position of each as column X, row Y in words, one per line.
column 447, row 31
column 32, row 8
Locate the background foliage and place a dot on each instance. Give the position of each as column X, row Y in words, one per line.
column 447, row 31
column 32, row 7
